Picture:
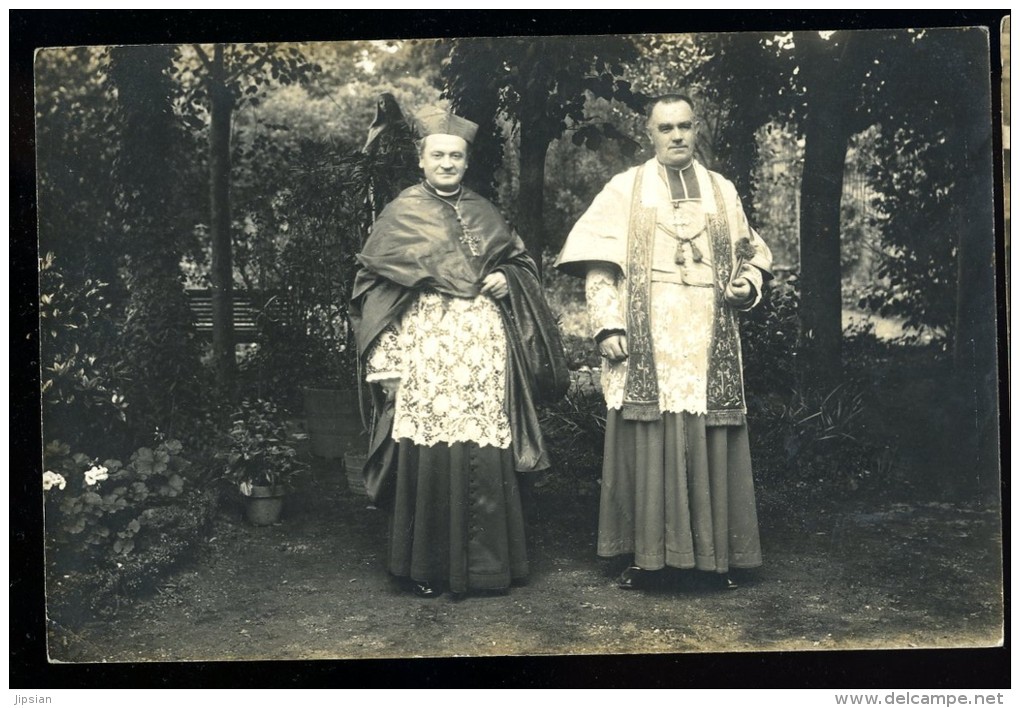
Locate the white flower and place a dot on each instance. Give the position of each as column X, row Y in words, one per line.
column 52, row 479
column 97, row 474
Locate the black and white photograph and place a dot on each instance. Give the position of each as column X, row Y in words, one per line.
column 522, row 344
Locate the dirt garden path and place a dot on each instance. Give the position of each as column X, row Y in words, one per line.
column 314, row 587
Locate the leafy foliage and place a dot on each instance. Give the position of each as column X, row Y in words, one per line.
column 322, row 219
column 81, row 401
column 812, row 447
column 744, row 80
column 249, row 71
column 258, row 452
column 76, row 142
column 160, row 354
column 97, row 512
column 917, row 271
column 770, row 334
column 575, row 430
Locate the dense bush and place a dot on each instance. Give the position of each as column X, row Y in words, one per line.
column 769, row 340
column 82, row 403
column 814, row 449
column 306, row 261
column 574, row 431
column 285, row 355
column 76, row 143
column 113, row 527
column 168, row 538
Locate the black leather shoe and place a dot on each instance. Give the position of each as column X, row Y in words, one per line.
column 424, row 589
column 630, row 578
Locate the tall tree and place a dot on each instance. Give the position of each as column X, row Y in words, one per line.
column 540, row 84
column 831, row 86
column 228, row 77
column 832, row 69
column 161, row 358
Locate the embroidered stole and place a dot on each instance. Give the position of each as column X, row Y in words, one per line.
column 725, row 380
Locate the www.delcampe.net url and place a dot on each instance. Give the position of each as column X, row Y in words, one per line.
column 910, row 698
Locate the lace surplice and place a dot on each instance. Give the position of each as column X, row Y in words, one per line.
column 681, row 319
column 450, row 355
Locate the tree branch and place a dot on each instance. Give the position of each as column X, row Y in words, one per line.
column 206, row 61
column 251, row 70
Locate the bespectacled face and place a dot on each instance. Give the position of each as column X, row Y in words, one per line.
column 673, row 129
column 444, row 161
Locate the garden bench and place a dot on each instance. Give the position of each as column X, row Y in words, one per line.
column 247, row 308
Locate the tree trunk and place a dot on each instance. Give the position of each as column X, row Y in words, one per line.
column 219, row 200
column 974, row 337
column 826, row 138
column 531, row 197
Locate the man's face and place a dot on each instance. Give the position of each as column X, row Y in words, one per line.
column 673, row 129
column 444, row 160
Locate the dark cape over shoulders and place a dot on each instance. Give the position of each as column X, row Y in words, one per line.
column 413, row 248
column 537, row 364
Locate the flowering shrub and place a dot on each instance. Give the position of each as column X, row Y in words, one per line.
column 95, row 509
column 52, row 479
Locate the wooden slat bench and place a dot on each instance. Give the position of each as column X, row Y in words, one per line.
column 246, row 314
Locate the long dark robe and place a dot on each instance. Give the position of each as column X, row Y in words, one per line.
column 456, row 516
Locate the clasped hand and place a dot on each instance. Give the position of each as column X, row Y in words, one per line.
column 389, row 387
column 614, row 348
column 738, row 292
column 495, row 285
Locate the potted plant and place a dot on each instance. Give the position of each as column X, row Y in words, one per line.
column 260, row 460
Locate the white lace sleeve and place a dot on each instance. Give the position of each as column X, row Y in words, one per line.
column 605, row 310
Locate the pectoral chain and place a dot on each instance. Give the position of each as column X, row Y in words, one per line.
column 680, row 224
column 467, row 237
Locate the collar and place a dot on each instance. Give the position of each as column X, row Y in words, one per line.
column 445, row 195
column 686, row 169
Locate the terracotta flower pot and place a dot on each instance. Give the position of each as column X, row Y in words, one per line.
column 264, row 505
